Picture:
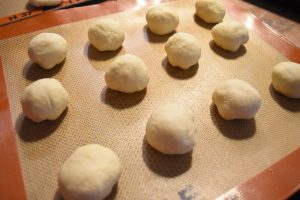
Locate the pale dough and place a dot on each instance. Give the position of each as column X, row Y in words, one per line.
column 161, row 20
column 106, row 35
column 171, row 129
column 286, row 79
column 128, row 73
column 44, row 99
column 230, row 35
column 236, row 99
column 40, row 3
column 47, row 49
column 210, row 11
column 183, row 50
column 89, row 173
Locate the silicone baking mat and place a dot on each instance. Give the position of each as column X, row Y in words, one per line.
column 18, row 10
column 227, row 152
column 12, row 6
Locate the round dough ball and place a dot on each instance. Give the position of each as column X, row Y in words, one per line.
column 44, row 99
column 128, row 73
column 236, row 99
column 230, row 35
column 210, row 11
column 47, row 49
column 40, row 3
column 170, row 129
column 161, row 20
column 286, row 79
column 106, row 35
column 89, row 173
column 183, row 50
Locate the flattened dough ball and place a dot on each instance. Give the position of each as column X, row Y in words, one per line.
column 230, row 35
column 128, row 73
column 286, row 79
column 210, row 11
column 161, row 20
column 89, row 173
column 47, row 49
column 106, row 35
column 236, row 99
column 183, row 50
column 41, row 3
column 170, row 129
column 44, row 99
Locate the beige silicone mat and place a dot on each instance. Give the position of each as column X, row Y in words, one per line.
column 10, row 7
column 227, row 152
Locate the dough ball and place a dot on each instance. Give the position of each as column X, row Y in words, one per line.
column 230, row 35
column 89, row 173
column 161, row 21
column 236, row 99
column 183, row 50
column 47, row 49
column 128, row 73
column 40, row 3
column 170, row 129
column 106, row 35
column 44, row 99
column 210, row 11
column 286, row 79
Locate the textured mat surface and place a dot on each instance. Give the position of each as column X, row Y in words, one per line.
column 13, row 6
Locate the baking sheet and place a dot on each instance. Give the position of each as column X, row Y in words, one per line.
column 226, row 154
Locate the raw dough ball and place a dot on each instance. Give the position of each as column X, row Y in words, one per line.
column 236, row 99
column 161, row 21
column 40, row 3
column 47, row 49
column 128, row 73
column 170, row 129
column 89, row 173
column 106, row 35
column 230, row 35
column 286, row 79
column 183, row 50
column 210, row 11
column 44, row 99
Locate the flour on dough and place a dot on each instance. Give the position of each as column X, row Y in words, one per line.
column 183, row 50
column 171, row 129
column 230, row 35
column 210, row 11
column 286, row 79
column 89, row 173
column 161, row 20
column 106, row 35
column 236, row 99
column 128, row 73
column 44, row 99
column 47, row 50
